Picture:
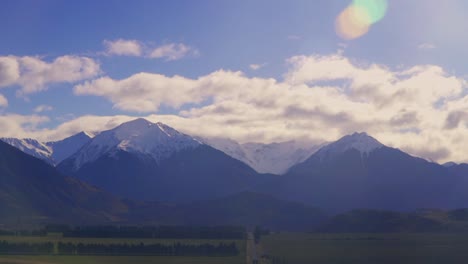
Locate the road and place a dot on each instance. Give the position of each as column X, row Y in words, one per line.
column 252, row 256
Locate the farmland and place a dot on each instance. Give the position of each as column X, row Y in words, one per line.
column 302, row 248
column 58, row 259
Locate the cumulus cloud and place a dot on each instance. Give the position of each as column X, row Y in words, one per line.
column 171, row 51
column 321, row 98
column 22, row 126
column 123, row 47
column 32, row 74
column 9, row 71
column 168, row 52
column 43, row 108
column 3, row 101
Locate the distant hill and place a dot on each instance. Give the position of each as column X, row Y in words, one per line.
column 251, row 209
column 379, row 221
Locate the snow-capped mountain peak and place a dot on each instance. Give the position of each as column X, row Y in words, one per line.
column 31, row 147
column 137, row 136
column 361, row 142
column 52, row 152
column 64, row 148
column 274, row 158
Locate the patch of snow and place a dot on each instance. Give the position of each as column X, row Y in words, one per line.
column 31, row 147
column 274, row 158
column 361, row 142
column 138, row 136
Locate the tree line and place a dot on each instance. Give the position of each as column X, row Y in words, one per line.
column 163, row 232
column 141, row 249
column 23, row 248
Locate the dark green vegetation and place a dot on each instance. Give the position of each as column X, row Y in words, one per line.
column 301, row 248
column 115, row 249
column 24, row 248
column 159, row 232
column 122, row 250
column 119, row 260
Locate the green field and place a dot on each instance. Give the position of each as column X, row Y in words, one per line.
column 117, row 260
column 300, row 248
column 121, row 259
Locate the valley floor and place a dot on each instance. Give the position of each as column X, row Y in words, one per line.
column 56, row 259
column 118, row 260
column 302, row 248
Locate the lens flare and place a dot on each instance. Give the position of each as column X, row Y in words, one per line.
column 352, row 23
column 357, row 18
column 375, row 9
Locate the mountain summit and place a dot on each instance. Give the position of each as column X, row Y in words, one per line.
column 152, row 161
column 138, row 136
column 361, row 142
column 357, row 171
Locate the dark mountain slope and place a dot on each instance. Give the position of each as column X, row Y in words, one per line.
column 151, row 161
column 341, row 177
column 33, row 191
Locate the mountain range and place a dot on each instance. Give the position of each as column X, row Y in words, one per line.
column 33, row 192
column 143, row 171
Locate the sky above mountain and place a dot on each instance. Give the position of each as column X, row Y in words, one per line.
column 258, row 71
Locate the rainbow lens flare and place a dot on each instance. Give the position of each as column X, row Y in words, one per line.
column 356, row 19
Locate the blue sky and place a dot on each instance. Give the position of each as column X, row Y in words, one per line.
column 231, row 37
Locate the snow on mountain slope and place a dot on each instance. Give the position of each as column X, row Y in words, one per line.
column 137, row 136
column 277, row 157
column 51, row 152
column 274, row 158
column 65, row 148
column 361, row 142
column 32, row 147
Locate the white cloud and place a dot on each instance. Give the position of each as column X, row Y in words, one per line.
column 168, row 52
column 255, row 67
column 9, row 71
column 22, row 126
column 421, row 109
column 33, row 74
column 43, row 108
column 426, row 46
column 3, row 101
column 123, row 47
column 171, row 51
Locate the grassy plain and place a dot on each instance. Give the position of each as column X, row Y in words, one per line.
column 118, row 260
column 302, row 248
column 240, row 259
